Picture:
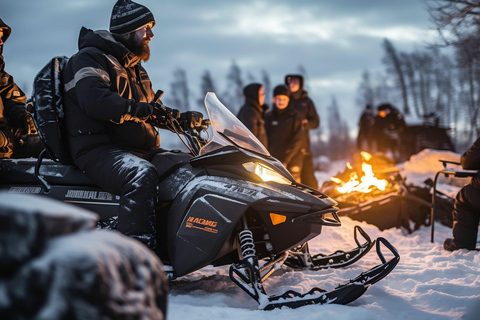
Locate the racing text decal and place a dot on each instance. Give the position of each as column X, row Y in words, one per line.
column 202, row 224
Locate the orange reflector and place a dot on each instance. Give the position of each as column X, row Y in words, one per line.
column 277, row 218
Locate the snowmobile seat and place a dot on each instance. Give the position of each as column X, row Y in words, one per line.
column 167, row 162
column 457, row 173
column 21, row 171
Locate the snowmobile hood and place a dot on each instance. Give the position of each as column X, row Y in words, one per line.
column 105, row 41
column 6, row 33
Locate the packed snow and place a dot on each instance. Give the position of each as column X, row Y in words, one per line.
column 428, row 282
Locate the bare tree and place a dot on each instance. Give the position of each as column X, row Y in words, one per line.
column 268, row 86
column 303, row 72
column 206, row 85
column 339, row 141
column 365, row 92
column 393, row 63
column 179, row 97
column 455, row 20
column 233, row 94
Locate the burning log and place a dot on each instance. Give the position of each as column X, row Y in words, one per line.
column 369, row 191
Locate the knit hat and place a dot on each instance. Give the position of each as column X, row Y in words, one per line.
column 129, row 16
column 281, row 90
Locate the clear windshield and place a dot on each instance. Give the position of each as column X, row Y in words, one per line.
column 227, row 129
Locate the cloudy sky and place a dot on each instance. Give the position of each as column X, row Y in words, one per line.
column 334, row 40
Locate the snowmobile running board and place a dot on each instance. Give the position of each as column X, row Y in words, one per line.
column 246, row 275
column 300, row 258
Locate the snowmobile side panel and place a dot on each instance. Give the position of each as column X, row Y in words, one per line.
column 203, row 231
column 220, row 201
column 91, row 198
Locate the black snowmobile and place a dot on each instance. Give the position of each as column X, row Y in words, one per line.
column 225, row 202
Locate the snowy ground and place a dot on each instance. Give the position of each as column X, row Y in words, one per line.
column 428, row 282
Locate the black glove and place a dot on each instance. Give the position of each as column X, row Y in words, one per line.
column 139, row 110
column 161, row 111
column 18, row 120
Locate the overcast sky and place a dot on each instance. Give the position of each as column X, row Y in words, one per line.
column 335, row 40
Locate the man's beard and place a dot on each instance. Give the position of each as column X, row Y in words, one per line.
column 141, row 50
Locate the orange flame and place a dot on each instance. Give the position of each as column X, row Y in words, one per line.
column 366, row 182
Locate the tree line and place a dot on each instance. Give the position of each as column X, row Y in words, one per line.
column 440, row 80
column 437, row 82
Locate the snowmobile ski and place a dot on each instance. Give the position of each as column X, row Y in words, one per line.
column 300, row 257
column 246, row 275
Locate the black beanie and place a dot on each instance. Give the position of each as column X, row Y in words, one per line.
column 281, row 90
column 129, row 16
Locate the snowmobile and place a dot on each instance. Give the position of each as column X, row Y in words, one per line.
column 226, row 201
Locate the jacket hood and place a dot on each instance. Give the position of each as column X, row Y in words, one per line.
column 299, row 76
column 105, row 41
column 6, row 33
column 251, row 94
column 7, row 30
column 251, row 91
column 301, row 93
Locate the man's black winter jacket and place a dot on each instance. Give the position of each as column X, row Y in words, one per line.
column 471, row 161
column 285, row 134
column 305, row 108
column 100, row 81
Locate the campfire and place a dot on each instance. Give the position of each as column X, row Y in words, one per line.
column 365, row 183
column 359, row 183
column 368, row 191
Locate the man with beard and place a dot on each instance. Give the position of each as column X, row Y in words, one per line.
column 108, row 108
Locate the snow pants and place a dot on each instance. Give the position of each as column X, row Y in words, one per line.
column 304, row 161
column 466, row 215
column 133, row 178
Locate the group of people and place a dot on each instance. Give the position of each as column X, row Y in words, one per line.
column 108, row 102
column 284, row 128
column 381, row 132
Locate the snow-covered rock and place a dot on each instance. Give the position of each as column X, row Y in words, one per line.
column 54, row 265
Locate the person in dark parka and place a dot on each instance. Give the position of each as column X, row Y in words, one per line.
column 252, row 113
column 365, row 131
column 388, row 126
column 305, row 108
column 284, row 130
column 15, row 141
column 466, row 211
column 108, row 108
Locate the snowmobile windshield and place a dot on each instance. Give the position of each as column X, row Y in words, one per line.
column 228, row 130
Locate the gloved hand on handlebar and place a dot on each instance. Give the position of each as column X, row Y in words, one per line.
column 138, row 110
column 161, row 111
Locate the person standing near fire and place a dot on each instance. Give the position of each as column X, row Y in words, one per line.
column 284, row 130
column 388, row 126
column 466, row 209
column 365, row 130
column 305, row 108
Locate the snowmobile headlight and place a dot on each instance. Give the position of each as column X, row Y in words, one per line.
column 265, row 173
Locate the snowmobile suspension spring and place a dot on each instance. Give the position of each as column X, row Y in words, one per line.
column 246, row 243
